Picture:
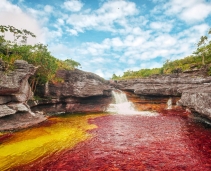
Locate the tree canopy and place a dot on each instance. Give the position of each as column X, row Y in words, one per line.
column 37, row 54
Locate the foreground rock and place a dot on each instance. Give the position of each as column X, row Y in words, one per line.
column 20, row 120
column 80, row 92
column 14, row 94
column 195, row 91
column 198, row 100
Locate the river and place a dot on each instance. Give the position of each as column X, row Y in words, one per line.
column 124, row 140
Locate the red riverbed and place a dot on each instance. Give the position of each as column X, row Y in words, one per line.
column 122, row 142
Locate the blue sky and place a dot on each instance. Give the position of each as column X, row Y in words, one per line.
column 112, row 36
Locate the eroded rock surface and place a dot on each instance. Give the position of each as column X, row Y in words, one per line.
column 14, row 93
column 170, row 85
column 81, row 92
column 198, row 99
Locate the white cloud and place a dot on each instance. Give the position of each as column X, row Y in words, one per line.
column 189, row 11
column 60, row 21
column 100, row 73
column 161, row 26
column 133, row 39
column 13, row 15
column 6, row 6
column 98, row 60
column 48, row 9
column 197, row 12
column 72, row 32
column 104, row 18
column 73, row 5
column 116, row 42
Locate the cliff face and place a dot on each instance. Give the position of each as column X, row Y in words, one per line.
column 198, row 99
column 195, row 92
column 14, row 93
column 81, row 92
column 170, row 85
column 84, row 92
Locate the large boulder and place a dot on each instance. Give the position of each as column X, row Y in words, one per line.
column 14, row 86
column 14, row 94
column 76, row 83
column 198, row 100
column 13, row 82
column 78, row 92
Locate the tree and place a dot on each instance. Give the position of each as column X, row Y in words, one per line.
column 71, row 63
column 114, row 77
column 203, row 47
column 23, row 33
column 38, row 55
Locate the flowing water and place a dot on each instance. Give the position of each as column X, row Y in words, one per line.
column 124, row 107
column 124, row 140
column 169, row 103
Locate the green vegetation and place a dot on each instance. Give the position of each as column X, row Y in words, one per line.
column 201, row 57
column 38, row 55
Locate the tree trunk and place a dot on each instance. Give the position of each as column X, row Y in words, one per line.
column 203, row 63
column 47, row 88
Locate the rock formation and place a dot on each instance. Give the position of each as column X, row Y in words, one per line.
column 80, row 92
column 198, row 99
column 195, row 91
column 85, row 92
column 14, row 93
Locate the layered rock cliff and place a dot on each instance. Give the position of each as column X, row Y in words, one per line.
column 195, row 91
column 14, row 94
column 80, row 92
column 198, row 99
column 85, row 92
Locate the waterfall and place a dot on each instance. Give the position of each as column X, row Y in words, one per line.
column 123, row 106
column 169, row 103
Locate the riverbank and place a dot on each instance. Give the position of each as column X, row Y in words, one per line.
column 85, row 92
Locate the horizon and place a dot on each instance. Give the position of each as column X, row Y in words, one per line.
column 112, row 36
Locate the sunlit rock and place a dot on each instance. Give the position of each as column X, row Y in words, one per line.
column 81, row 92
column 14, row 93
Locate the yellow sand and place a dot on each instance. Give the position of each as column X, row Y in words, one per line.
column 28, row 145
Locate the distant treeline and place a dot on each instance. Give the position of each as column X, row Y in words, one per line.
column 201, row 57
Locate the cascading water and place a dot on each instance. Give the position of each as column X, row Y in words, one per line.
column 123, row 106
column 169, row 103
